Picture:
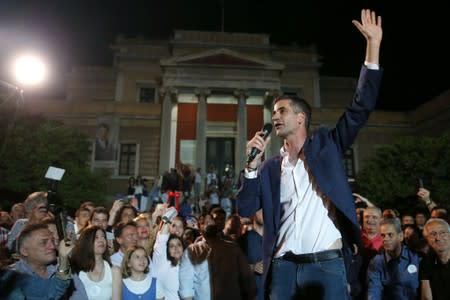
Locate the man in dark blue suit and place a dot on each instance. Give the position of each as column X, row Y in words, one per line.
column 309, row 212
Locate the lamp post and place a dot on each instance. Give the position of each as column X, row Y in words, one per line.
column 29, row 71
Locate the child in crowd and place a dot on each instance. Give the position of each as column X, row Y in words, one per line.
column 137, row 283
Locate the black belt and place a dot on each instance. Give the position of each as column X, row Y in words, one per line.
column 312, row 257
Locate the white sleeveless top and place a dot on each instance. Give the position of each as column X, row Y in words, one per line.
column 101, row 290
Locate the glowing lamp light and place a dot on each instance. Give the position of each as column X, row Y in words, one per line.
column 29, row 70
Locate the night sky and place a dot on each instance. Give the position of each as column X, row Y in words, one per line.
column 415, row 51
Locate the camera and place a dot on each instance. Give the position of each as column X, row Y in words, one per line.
column 55, row 175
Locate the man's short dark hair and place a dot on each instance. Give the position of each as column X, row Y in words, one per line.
column 298, row 105
column 441, row 212
column 99, row 210
column 120, row 227
column 394, row 222
column 27, row 231
column 217, row 210
column 82, row 208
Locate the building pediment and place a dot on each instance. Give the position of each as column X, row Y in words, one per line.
column 222, row 58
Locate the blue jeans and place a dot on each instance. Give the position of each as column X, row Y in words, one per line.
column 325, row 280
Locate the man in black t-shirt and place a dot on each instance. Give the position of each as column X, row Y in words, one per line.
column 435, row 268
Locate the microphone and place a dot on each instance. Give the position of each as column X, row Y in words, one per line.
column 267, row 129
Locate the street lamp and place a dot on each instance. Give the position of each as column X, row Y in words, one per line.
column 29, row 70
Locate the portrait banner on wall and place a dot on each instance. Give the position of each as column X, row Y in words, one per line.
column 106, row 140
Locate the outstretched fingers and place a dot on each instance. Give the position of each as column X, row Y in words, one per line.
column 370, row 25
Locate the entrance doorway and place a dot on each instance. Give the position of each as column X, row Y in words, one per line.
column 219, row 152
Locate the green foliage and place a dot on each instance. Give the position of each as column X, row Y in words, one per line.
column 30, row 144
column 389, row 178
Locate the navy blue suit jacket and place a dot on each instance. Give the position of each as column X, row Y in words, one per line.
column 324, row 152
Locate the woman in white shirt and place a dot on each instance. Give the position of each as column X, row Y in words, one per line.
column 167, row 253
column 94, row 278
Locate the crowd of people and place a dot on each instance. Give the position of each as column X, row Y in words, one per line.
column 119, row 253
column 123, row 253
column 191, row 191
column 288, row 228
column 403, row 255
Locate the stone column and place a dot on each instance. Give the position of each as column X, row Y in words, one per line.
column 168, row 137
column 241, row 140
column 275, row 143
column 200, row 158
column 119, row 87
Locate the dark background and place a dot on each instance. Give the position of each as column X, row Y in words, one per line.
column 415, row 51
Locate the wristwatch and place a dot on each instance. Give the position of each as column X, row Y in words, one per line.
column 64, row 274
column 63, row 271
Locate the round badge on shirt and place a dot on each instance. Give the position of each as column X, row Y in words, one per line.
column 412, row 269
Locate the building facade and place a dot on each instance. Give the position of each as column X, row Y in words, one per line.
column 198, row 97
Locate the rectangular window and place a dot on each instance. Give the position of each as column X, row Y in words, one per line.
column 188, row 151
column 146, row 95
column 127, row 161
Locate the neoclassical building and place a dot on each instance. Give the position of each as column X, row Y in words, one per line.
column 197, row 98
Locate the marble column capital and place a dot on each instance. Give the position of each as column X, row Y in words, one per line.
column 271, row 95
column 171, row 92
column 167, row 89
column 241, row 93
column 202, row 92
